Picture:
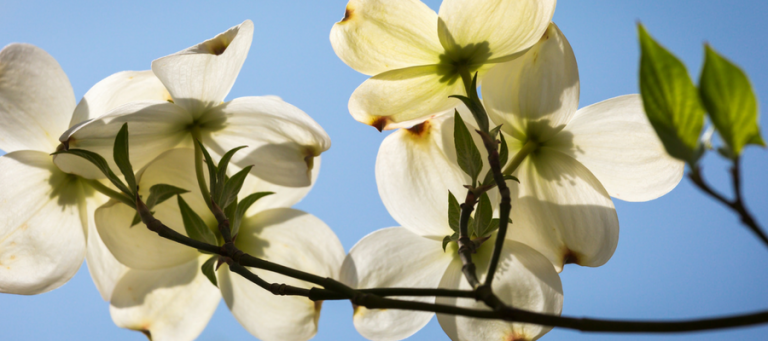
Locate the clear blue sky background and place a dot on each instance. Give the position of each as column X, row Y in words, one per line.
column 679, row 256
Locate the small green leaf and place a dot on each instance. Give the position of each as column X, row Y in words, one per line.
column 161, row 192
column 157, row 195
column 446, row 240
column 194, row 225
column 483, row 215
column 224, row 162
column 511, row 177
column 243, row 207
column 452, row 238
column 730, row 101
column 670, row 99
column 472, row 101
column 212, row 171
column 503, row 151
column 121, row 156
column 102, row 165
column 232, row 187
column 208, row 270
column 467, row 154
column 454, row 212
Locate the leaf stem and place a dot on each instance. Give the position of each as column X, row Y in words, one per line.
column 103, row 189
column 528, row 148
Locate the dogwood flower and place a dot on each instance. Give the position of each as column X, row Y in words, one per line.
column 47, row 214
column 198, row 79
column 569, row 162
column 396, row 257
column 416, row 57
column 164, row 294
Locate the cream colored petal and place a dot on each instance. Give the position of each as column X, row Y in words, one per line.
column 404, row 97
column 118, row 89
column 381, row 35
column 42, row 244
column 138, row 247
column 36, row 99
column 291, row 238
column 536, row 95
column 479, row 30
column 104, row 268
column 201, row 76
column 170, row 304
column 389, row 258
column 525, row 279
column 154, row 128
column 563, row 211
column 283, row 196
column 616, row 142
column 415, row 170
column 282, row 140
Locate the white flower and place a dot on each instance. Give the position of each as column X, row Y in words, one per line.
column 45, row 213
column 164, row 292
column 198, row 79
column 396, row 257
column 416, row 56
column 576, row 159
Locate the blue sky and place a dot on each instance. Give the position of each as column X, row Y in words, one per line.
column 680, row 256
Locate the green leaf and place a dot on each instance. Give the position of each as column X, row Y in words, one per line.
column 670, row 99
column 102, row 165
column 452, row 238
column 511, row 177
column 730, row 101
column 208, row 270
column 157, row 195
column 243, row 207
column 121, row 156
column 232, row 187
column 467, row 154
column 454, row 212
column 224, row 162
column 472, row 101
column 212, row 171
column 483, row 215
column 161, row 192
column 194, row 225
column 503, row 151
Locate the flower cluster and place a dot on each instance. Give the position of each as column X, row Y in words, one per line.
column 62, row 202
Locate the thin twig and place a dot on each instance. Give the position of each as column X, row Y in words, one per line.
column 737, row 204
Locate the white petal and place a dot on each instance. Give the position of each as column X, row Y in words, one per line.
column 118, row 89
column 616, row 142
column 201, row 76
column 283, row 140
column 493, row 28
column 535, row 95
column 563, row 211
column 138, row 247
column 388, row 258
column 42, row 243
column 283, row 196
column 404, row 97
column 288, row 237
column 36, row 99
column 154, row 128
column 381, row 35
column 525, row 279
column 415, row 169
column 170, row 304
column 104, row 268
